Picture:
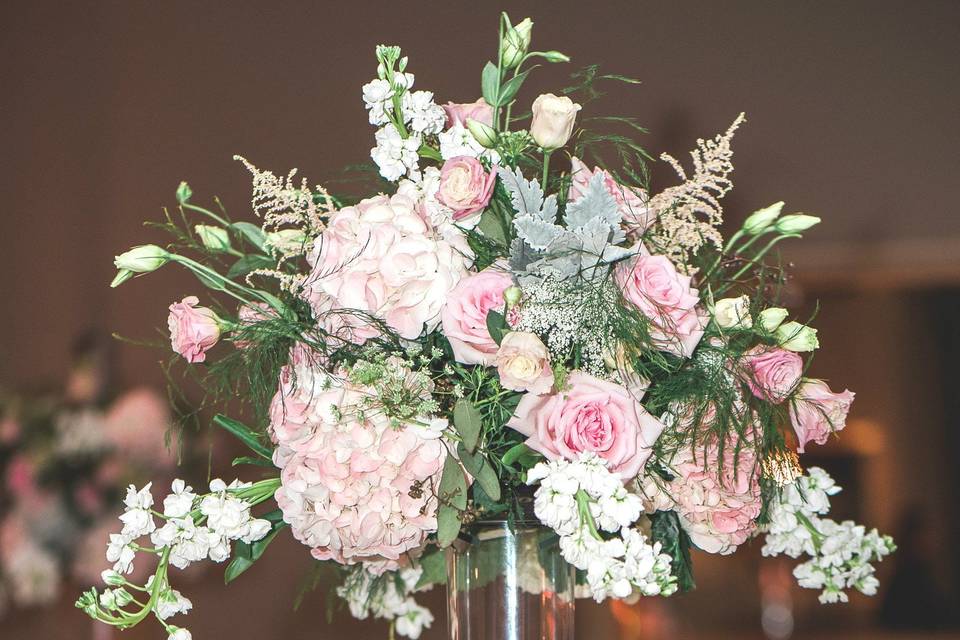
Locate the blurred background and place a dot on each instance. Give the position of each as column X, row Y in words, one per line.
column 852, row 116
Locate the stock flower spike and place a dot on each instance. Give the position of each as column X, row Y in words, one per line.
column 496, row 333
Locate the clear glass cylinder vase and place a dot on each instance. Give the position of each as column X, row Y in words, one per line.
column 508, row 581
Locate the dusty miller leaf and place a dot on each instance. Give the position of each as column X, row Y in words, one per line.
column 595, row 204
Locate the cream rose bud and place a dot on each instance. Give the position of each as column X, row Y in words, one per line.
column 523, row 363
column 553, row 118
column 794, row 336
column 733, row 313
column 771, row 318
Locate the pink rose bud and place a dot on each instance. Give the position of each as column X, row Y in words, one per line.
column 464, row 186
column 817, row 412
column 193, row 330
column 771, row 373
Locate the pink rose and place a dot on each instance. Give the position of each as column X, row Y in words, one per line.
column 464, row 186
column 772, row 373
column 464, row 317
column 523, row 363
column 591, row 415
column 817, row 412
column 193, row 330
column 666, row 298
column 459, row 113
column 632, row 203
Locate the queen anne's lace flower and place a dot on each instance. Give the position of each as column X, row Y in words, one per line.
column 355, row 488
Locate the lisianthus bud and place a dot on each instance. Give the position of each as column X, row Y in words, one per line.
column 771, row 318
column 760, row 221
column 733, row 313
column 511, row 296
column 553, row 118
column 112, row 578
column 515, row 43
column 122, row 597
column 122, row 276
column 795, row 223
column 142, row 259
column 482, row 133
column 794, row 336
column 183, row 193
column 553, row 56
column 213, row 238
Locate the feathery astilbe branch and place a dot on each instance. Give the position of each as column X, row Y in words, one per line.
column 689, row 214
column 281, row 202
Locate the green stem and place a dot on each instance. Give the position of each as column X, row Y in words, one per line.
column 210, row 214
column 583, row 508
column 546, row 168
column 506, row 120
column 496, row 108
column 753, row 261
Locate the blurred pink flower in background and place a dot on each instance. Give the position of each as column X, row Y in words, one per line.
column 136, row 425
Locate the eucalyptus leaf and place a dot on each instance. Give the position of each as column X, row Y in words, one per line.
column 491, row 226
column 467, row 420
column 453, row 484
column 434, row 566
column 479, row 467
column 448, row 525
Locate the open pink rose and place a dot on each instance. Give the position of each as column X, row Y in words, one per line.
column 523, row 363
column 817, row 412
column 464, row 317
column 772, row 373
column 632, row 203
column 193, row 330
column 459, row 113
column 591, row 415
column 464, row 186
column 664, row 296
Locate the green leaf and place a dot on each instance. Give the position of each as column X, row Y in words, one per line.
column 453, row 484
column 434, row 565
column 496, row 325
column 253, row 234
column 665, row 529
column 448, row 525
column 243, row 433
column 522, row 456
column 491, row 226
column 249, row 263
column 510, row 88
column 490, row 83
column 260, row 462
column 482, row 471
column 467, row 420
column 238, row 565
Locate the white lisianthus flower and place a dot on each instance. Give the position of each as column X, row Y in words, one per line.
column 733, row 313
column 771, row 318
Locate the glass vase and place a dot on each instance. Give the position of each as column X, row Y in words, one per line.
column 508, row 581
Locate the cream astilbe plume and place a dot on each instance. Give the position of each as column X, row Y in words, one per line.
column 689, row 214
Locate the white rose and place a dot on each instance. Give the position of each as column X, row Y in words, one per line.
column 733, row 313
column 553, row 119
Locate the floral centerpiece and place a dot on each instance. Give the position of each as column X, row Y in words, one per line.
column 513, row 324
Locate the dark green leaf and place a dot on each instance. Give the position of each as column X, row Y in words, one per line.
column 243, row 433
column 490, row 83
column 238, row 565
column 666, row 529
column 260, row 462
column 448, row 525
column 496, row 325
column 249, row 263
column 467, row 420
column 479, row 467
column 434, row 565
column 453, row 484
column 491, row 226
column 253, row 234
column 510, row 88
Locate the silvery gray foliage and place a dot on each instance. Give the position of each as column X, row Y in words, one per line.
column 580, row 247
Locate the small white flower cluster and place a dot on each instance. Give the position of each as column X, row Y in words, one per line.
column 195, row 528
column 575, row 499
column 397, row 152
column 841, row 554
column 33, row 575
column 458, row 141
column 387, row 596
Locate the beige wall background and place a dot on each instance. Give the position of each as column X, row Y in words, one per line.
column 852, row 115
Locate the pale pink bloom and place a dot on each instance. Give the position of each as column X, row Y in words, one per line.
column 523, row 363
column 380, row 259
column 632, row 203
column 666, row 298
column 772, row 373
column 88, row 498
column 193, row 329
column 816, row 412
column 464, row 316
column 353, row 490
column 459, row 113
column 21, row 478
column 136, row 425
column 465, row 187
column 717, row 499
column 590, row 415
column 9, row 430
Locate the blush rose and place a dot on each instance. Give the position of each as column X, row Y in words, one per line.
column 193, row 329
column 464, row 186
column 817, row 412
column 464, row 316
column 772, row 373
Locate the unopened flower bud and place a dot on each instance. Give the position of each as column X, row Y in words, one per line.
column 287, row 240
column 553, row 118
column 183, row 193
column 112, row 578
column 760, row 221
column 142, row 259
column 122, row 276
column 794, row 336
column 553, row 56
column 795, row 223
column 733, row 313
column 771, row 318
column 512, row 295
column 484, row 134
column 215, row 239
column 516, row 41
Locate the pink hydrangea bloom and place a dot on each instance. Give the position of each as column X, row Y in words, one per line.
column 193, row 329
column 817, row 412
column 664, row 296
column 632, row 203
column 718, row 509
column 354, row 490
column 589, row 415
column 382, row 259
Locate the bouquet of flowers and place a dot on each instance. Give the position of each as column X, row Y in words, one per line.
column 514, row 324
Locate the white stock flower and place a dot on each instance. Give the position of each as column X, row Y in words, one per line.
column 458, row 141
column 180, row 502
column 137, row 519
column 394, row 155
column 120, row 553
column 422, row 114
column 177, row 633
column 377, row 95
column 171, row 603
